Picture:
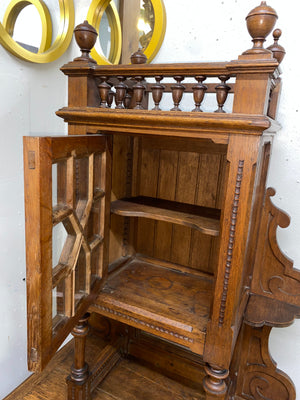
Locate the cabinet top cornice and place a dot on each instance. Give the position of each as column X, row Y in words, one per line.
column 166, row 123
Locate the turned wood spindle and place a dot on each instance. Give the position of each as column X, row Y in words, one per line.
column 277, row 50
column 199, row 92
column 110, row 98
column 138, row 90
column 127, row 99
column 120, row 92
column 214, row 382
column 222, row 92
column 157, row 92
column 177, row 92
column 78, row 380
column 104, row 89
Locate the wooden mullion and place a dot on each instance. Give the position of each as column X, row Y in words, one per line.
column 96, row 241
column 90, row 178
column 88, row 268
column 70, row 183
column 60, row 213
column 99, row 193
column 60, row 272
column 106, row 176
column 85, row 219
column 72, row 277
column 61, row 182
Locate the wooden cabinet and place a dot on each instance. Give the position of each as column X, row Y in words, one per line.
column 169, row 231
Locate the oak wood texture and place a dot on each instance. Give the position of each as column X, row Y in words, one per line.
column 139, row 380
column 216, row 127
column 203, row 219
column 83, row 260
column 160, row 300
column 174, row 273
column 254, row 372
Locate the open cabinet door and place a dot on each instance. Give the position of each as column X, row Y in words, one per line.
column 67, row 198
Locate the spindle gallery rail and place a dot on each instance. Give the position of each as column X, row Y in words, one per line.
column 129, row 89
column 142, row 86
column 127, row 84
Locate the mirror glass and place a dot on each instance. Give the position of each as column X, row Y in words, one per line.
column 137, row 24
column 145, row 22
column 27, row 27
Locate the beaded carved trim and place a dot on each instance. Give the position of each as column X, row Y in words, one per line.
column 230, row 246
column 146, row 324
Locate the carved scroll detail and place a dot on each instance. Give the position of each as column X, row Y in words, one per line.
column 274, row 275
column 257, row 377
column 230, row 246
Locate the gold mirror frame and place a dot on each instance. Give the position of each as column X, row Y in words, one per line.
column 95, row 13
column 47, row 52
column 94, row 16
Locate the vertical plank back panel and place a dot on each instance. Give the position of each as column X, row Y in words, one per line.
column 166, row 190
column 185, row 193
column 119, row 178
column 147, row 186
column 173, row 170
column 206, row 195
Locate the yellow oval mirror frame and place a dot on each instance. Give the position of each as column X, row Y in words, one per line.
column 95, row 13
column 48, row 52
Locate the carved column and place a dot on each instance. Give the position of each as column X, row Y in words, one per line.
column 229, row 301
column 78, row 381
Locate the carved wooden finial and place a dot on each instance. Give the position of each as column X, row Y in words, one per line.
column 138, row 57
column 277, row 50
column 260, row 22
column 85, row 36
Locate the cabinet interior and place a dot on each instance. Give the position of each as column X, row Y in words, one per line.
column 167, row 175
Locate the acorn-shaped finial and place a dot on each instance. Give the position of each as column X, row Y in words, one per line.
column 260, row 22
column 138, row 57
column 85, row 36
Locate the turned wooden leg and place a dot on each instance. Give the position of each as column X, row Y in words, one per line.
column 214, row 383
column 78, row 381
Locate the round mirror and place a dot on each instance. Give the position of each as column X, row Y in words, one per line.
column 146, row 23
column 124, row 26
column 28, row 29
column 36, row 30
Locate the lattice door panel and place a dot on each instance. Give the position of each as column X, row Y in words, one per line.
column 67, row 189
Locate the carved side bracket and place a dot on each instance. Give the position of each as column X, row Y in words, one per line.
column 274, row 277
column 257, row 377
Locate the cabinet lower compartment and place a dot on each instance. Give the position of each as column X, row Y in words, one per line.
column 160, row 298
column 132, row 380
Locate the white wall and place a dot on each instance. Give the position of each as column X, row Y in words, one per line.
column 29, row 96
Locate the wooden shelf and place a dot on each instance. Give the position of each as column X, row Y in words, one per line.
column 159, row 299
column 204, row 219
